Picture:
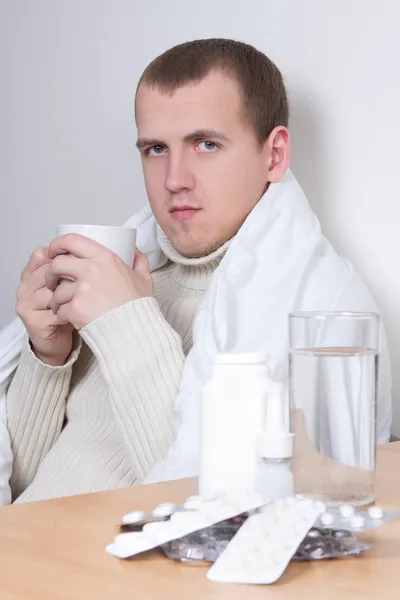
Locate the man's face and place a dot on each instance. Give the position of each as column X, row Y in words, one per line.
column 203, row 167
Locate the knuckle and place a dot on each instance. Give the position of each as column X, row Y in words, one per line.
column 39, row 254
column 20, row 309
column 112, row 259
column 20, row 292
column 70, row 238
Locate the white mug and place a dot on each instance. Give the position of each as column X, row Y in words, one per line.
column 120, row 240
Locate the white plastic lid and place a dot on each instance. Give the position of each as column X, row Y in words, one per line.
column 241, row 358
column 275, row 445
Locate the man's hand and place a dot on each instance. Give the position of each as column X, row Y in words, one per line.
column 99, row 280
column 51, row 340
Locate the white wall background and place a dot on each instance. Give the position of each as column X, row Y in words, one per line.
column 68, row 71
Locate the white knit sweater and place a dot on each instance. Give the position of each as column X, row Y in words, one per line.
column 104, row 418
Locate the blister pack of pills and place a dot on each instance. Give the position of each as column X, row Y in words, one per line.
column 208, row 544
column 205, row 545
column 321, row 544
column 346, row 517
column 264, row 545
column 247, row 539
column 157, row 528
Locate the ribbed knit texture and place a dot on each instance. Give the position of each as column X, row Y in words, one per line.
column 103, row 419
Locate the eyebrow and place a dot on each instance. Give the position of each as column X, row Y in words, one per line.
column 195, row 135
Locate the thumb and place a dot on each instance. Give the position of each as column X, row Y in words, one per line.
column 141, row 263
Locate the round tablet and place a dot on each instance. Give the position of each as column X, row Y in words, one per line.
column 341, row 533
column 165, row 509
column 358, row 521
column 376, row 512
column 133, row 517
column 347, row 511
column 327, row 518
column 314, row 533
column 193, row 503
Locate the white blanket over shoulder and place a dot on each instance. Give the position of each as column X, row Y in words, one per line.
column 277, row 263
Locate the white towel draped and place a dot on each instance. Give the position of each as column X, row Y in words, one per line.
column 278, row 262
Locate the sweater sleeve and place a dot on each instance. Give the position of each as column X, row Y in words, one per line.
column 35, row 404
column 141, row 358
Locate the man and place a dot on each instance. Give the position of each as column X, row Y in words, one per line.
column 91, row 405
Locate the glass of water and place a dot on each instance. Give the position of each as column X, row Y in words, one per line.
column 333, row 389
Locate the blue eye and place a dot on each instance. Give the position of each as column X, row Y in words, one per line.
column 155, row 150
column 207, row 146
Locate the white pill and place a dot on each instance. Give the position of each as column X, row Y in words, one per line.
column 164, row 510
column 133, row 517
column 358, row 521
column 193, row 503
column 327, row 518
column 347, row 511
column 376, row 512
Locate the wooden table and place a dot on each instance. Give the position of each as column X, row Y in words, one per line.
column 54, row 550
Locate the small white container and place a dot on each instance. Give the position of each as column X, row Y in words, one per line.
column 232, row 417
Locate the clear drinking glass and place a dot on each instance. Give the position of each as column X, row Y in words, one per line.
column 333, row 388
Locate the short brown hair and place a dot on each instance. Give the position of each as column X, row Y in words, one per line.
column 265, row 103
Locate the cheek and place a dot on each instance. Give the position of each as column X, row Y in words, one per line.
column 154, row 180
column 234, row 189
column 153, row 172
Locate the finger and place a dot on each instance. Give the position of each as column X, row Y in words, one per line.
column 33, row 282
column 63, row 295
column 63, row 267
column 41, row 299
column 38, row 258
column 62, row 317
column 79, row 246
column 141, row 263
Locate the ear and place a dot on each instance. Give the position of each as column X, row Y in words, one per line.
column 278, row 153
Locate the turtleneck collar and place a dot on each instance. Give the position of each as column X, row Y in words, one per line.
column 193, row 273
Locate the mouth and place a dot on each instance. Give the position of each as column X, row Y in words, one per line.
column 183, row 212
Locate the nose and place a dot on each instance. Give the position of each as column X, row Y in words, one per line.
column 179, row 176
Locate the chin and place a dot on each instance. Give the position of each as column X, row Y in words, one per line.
column 197, row 250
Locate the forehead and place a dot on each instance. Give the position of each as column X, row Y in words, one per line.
column 213, row 103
